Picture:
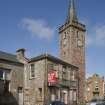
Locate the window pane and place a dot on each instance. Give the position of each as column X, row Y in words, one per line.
column 50, row 66
column 1, row 74
column 6, row 86
column 32, row 70
column 40, row 92
column 20, row 89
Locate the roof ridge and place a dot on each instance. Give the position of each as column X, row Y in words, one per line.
column 8, row 56
column 7, row 53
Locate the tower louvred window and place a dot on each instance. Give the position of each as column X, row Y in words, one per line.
column 65, row 35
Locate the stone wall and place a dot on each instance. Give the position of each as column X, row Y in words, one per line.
column 94, row 85
column 15, row 78
column 35, row 84
column 72, row 52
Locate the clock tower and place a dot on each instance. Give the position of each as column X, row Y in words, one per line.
column 72, row 45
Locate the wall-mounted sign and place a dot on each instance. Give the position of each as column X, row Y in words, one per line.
column 51, row 77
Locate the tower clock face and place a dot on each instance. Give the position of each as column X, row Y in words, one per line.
column 65, row 42
column 79, row 43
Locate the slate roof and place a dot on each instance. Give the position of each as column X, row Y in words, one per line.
column 8, row 57
column 13, row 58
column 52, row 58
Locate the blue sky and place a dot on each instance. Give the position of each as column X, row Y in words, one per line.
column 21, row 20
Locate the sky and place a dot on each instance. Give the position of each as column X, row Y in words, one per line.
column 33, row 25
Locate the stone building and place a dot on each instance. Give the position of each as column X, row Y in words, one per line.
column 36, row 81
column 11, row 78
column 72, row 45
column 49, row 79
column 94, row 88
column 45, row 77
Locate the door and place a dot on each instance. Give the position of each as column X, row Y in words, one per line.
column 20, row 95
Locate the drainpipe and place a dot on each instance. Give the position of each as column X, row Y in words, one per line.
column 45, row 81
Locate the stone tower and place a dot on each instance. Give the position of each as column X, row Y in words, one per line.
column 72, row 45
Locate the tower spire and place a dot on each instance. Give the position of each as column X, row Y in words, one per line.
column 72, row 16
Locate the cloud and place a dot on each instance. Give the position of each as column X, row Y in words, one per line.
column 88, row 75
column 37, row 28
column 98, row 36
column 89, row 40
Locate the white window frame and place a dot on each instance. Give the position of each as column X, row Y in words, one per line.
column 31, row 77
column 5, row 74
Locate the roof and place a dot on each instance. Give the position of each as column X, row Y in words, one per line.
column 52, row 58
column 8, row 57
column 13, row 58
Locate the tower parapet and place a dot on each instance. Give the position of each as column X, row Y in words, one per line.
column 74, row 24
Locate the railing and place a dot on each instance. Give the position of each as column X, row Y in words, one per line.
column 96, row 92
column 64, row 83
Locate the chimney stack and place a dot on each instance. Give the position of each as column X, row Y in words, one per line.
column 20, row 54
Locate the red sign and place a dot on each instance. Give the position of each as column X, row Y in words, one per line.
column 51, row 77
